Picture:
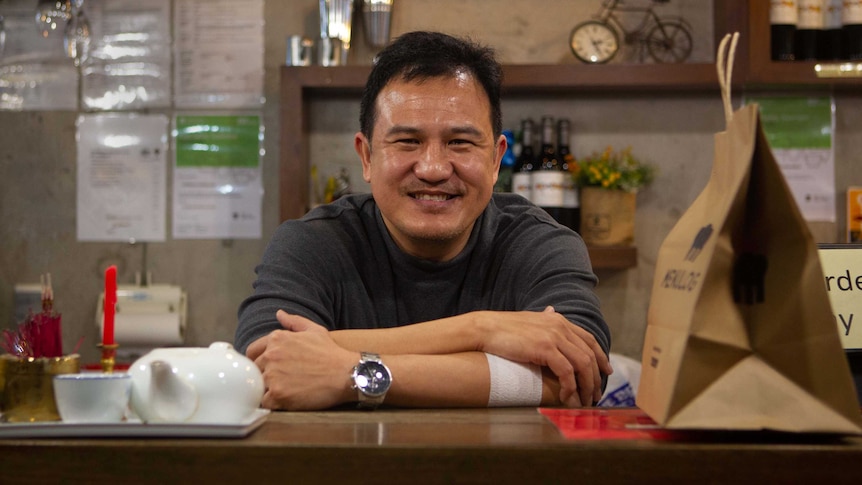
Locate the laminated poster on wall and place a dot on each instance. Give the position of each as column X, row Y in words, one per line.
column 122, row 177
column 129, row 60
column 800, row 132
column 218, row 190
column 218, row 54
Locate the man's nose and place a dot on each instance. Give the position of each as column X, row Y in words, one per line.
column 433, row 164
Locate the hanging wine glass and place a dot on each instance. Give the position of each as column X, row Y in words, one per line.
column 76, row 38
column 2, row 36
column 50, row 14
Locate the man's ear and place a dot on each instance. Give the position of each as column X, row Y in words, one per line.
column 499, row 151
column 362, row 145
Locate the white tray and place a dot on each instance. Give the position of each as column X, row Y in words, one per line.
column 133, row 429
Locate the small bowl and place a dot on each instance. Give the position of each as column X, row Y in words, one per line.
column 92, row 397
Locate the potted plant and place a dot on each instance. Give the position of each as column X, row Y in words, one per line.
column 609, row 182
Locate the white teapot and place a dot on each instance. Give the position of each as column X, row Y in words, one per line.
column 195, row 385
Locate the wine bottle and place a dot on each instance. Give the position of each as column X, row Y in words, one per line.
column 522, row 181
column 507, row 165
column 571, row 201
column 830, row 42
column 809, row 29
column 548, row 179
column 783, row 17
column 851, row 30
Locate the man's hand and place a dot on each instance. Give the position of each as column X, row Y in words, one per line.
column 302, row 367
column 548, row 339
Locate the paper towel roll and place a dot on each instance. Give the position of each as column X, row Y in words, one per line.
column 147, row 317
column 142, row 330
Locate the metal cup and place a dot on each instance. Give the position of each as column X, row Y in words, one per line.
column 377, row 17
column 298, row 51
column 331, row 52
column 28, row 393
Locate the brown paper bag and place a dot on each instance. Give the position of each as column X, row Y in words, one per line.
column 740, row 332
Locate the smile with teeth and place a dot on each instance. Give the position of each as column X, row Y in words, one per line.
column 433, row 197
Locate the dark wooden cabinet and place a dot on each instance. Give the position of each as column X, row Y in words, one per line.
column 752, row 69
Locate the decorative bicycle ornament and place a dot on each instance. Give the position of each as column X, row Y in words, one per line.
column 665, row 39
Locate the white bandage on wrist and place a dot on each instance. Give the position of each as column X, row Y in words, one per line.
column 513, row 383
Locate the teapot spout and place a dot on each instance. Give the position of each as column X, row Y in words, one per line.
column 172, row 398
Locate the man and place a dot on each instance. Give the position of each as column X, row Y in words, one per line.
column 468, row 299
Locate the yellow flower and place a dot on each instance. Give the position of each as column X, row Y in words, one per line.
column 613, row 171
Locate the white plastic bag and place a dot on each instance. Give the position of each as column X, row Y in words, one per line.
column 623, row 383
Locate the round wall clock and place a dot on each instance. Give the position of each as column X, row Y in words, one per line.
column 594, row 42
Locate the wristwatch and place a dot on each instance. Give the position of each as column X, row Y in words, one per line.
column 371, row 379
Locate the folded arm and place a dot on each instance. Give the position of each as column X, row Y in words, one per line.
column 438, row 363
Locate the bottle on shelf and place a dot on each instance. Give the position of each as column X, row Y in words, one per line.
column 851, row 30
column 507, row 165
column 571, row 199
column 522, row 181
column 548, row 179
column 830, row 42
column 809, row 29
column 783, row 18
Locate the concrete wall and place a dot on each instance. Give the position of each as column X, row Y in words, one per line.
column 38, row 172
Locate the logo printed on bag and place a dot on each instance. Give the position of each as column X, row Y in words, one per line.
column 699, row 242
column 749, row 272
column 680, row 279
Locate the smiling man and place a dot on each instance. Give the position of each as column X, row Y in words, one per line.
column 432, row 290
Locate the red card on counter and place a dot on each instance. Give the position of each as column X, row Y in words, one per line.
column 606, row 424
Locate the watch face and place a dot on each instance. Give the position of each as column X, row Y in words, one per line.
column 372, row 378
column 594, row 42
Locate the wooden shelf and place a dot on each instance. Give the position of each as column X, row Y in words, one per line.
column 613, row 257
column 527, row 79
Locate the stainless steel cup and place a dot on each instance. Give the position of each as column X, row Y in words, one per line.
column 331, row 52
column 299, row 51
column 377, row 17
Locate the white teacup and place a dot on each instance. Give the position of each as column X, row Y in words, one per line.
column 92, row 397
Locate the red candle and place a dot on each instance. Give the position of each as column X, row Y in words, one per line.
column 110, row 305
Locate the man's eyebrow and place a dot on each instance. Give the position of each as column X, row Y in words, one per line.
column 455, row 130
column 402, row 130
column 466, row 130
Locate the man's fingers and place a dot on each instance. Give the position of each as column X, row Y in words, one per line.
column 296, row 323
column 585, row 363
column 586, row 387
column 579, row 336
column 573, row 401
column 590, row 340
column 562, row 368
column 290, row 322
column 256, row 348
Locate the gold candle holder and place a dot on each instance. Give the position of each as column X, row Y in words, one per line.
column 109, row 355
column 28, row 393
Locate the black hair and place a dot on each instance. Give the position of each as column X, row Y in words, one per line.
column 424, row 55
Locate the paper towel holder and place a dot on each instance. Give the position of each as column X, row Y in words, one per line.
column 140, row 305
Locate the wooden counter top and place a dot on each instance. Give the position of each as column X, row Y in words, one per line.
column 430, row 446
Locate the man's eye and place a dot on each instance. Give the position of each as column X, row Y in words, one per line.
column 461, row 143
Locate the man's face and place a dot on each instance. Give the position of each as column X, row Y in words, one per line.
column 432, row 162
